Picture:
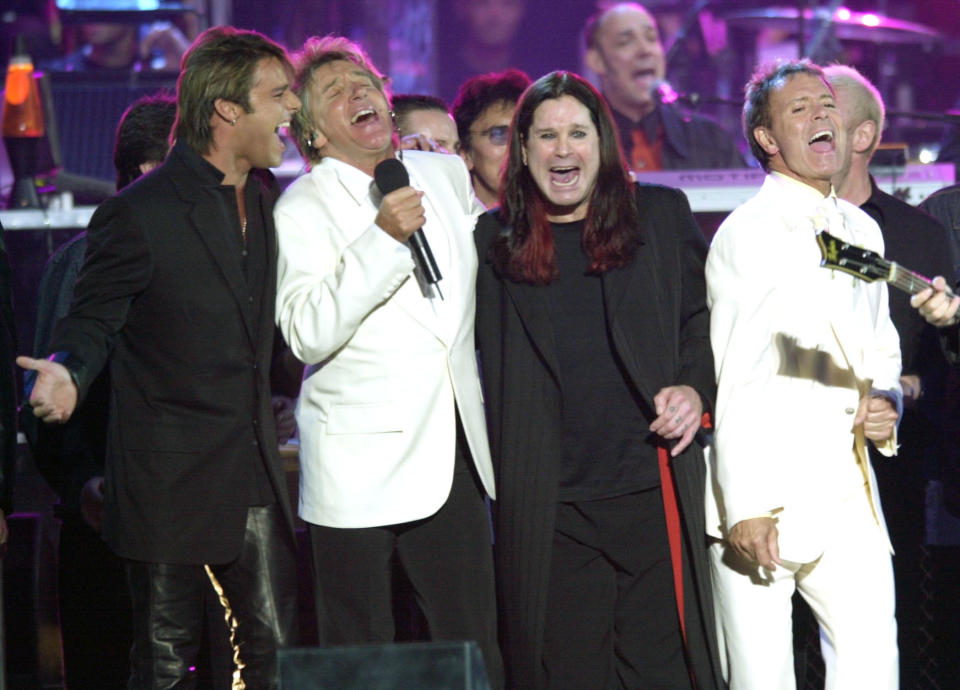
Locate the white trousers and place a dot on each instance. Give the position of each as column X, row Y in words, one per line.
column 850, row 590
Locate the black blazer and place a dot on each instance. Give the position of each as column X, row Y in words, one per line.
column 163, row 294
column 657, row 315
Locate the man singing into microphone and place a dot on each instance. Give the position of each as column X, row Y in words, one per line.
column 394, row 460
column 623, row 48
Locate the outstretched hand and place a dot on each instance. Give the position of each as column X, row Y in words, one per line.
column 54, row 395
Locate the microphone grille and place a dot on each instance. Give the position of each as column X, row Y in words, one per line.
column 390, row 175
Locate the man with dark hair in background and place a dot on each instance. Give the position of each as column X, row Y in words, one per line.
column 483, row 110
column 178, row 289
column 483, row 38
column 624, row 50
column 143, row 137
column 424, row 123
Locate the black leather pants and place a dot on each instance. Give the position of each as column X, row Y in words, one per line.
column 168, row 609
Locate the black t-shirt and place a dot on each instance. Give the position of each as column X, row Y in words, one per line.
column 605, row 430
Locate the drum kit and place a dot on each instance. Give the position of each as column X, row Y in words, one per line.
column 803, row 19
column 843, row 23
column 824, row 31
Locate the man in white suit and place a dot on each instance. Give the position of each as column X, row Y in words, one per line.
column 394, row 459
column 808, row 366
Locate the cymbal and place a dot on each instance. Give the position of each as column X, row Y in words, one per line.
column 847, row 25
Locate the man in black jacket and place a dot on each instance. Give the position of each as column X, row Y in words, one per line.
column 624, row 50
column 178, row 288
column 918, row 242
column 596, row 368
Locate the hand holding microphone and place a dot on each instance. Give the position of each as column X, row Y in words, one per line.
column 402, row 217
column 401, row 213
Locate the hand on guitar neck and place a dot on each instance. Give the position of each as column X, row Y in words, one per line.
column 934, row 299
column 937, row 304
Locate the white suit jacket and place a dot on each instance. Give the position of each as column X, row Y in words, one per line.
column 790, row 340
column 384, row 363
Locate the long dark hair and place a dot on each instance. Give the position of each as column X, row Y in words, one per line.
column 611, row 233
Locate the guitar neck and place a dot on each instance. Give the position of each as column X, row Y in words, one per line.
column 840, row 255
column 910, row 282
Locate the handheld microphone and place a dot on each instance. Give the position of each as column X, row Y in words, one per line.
column 389, row 176
column 664, row 93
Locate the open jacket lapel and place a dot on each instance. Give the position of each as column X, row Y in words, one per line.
column 634, row 313
column 207, row 222
column 632, row 316
column 409, row 296
column 529, row 302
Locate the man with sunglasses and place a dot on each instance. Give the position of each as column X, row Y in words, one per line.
column 483, row 110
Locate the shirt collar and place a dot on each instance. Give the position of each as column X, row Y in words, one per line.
column 800, row 189
column 355, row 181
column 649, row 123
column 205, row 172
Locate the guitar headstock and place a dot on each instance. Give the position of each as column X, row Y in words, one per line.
column 849, row 258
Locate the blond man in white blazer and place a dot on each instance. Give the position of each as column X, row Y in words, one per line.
column 394, row 459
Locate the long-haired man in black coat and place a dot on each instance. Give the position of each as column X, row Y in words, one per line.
column 593, row 333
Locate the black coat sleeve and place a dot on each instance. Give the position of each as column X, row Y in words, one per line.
column 117, row 267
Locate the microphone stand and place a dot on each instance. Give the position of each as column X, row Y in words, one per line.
column 695, row 100
column 950, row 117
column 820, row 38
column 685, row 27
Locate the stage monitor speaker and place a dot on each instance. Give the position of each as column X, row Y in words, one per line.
column 400, row 666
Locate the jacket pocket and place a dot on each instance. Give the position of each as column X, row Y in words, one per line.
column 169, row 437
column 366, row 418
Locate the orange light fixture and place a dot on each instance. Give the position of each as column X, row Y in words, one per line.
column 22, row 110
